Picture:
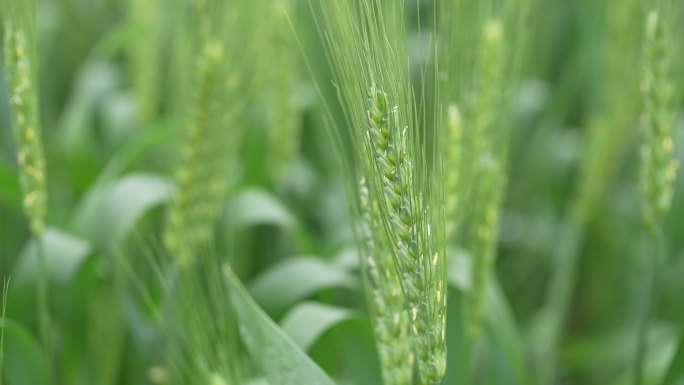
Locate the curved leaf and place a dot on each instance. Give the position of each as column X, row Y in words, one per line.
column 499, row 318
column 86, row 215
column 25, row 362
column 132, row 197
column 502, row 325
column 458, row 269
column 675, row 374
column 308, row 321
column 253, row 206
column 278, row 356
column 64, row 256
column 288, row 282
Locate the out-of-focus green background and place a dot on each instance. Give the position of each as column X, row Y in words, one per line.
column 112, row 94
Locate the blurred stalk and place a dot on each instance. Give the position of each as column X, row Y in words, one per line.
column 560, row 293
column 43, row 298
column 5, row 290
column 144, row 56
column 610, row 129
column 651, row 292
column 658, row 165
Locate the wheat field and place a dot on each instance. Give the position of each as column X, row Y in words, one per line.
column 352, row 192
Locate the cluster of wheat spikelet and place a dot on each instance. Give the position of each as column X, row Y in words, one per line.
column 387, row 300
column 658, row 164
column 202, row 177
column 404, row 214
column 21, row 71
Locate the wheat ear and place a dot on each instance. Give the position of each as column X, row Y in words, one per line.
column 386, row 298
column 658, row 164
column 202, row 176
column 407, row 223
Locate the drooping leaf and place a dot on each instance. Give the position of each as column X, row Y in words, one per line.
column 254, row 206
column 25, row 362
column 308, row 321
column 132, row 197
column 499, row 319
column 297, row 278
column 283, row 362
column 86, row 216
column 614, row 352
column 64, row 255
column 675, row 374
column 502, row 325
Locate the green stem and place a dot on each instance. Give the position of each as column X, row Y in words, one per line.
column 42, row 297
column 560, row 291
column 5, row 289
column 649, row 302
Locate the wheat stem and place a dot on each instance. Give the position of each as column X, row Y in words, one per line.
column 5, row 291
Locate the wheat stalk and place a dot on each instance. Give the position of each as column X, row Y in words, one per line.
column 5, row 291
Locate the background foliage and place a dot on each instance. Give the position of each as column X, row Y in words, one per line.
column 114, row 95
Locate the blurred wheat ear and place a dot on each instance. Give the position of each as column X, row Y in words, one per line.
column 19, row 24
column 201, row 180
column 658, row 169
column 658, row 164
column 487, row 165
column 20, row 62
column 282, row 77
column 453, row 178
